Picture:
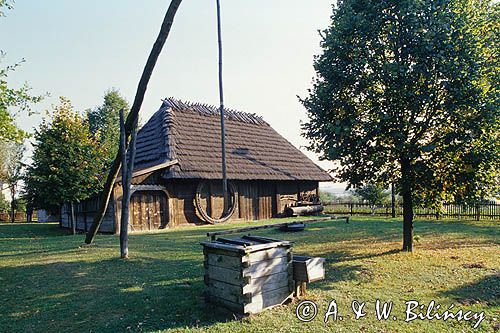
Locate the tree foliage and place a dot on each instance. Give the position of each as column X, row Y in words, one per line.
column 373, row 194
column 5, row 4
column 68, row 162
column 104, row 121
column 406, row 92
column 13, row 101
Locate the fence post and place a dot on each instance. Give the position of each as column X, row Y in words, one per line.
column 351, row 206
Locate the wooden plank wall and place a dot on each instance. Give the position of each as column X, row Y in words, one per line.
column 84, row 215
column 256, row 199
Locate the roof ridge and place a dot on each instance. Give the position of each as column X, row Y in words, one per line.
column 211, row 110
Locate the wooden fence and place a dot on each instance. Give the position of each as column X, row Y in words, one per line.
column 483, row 211
column 20, row 217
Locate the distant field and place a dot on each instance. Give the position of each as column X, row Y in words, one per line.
column 50, row 283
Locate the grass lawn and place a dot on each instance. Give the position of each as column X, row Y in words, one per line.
column 50, row 283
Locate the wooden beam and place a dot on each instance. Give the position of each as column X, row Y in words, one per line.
column 150, row 169
column 133, row 115
column 212, row 235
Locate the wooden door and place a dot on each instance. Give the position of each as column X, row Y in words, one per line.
column 148, row 210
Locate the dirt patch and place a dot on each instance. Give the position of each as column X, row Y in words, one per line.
column 474, row 265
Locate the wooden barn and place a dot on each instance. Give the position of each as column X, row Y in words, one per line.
column 179, row 155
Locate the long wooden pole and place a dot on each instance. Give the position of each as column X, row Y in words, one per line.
column 127, row 170
column 221, row 99
column 213, row 235
column 125, row 191
column 133, row 116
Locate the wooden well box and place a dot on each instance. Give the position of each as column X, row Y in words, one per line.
column 248, row 274
column 308, row 269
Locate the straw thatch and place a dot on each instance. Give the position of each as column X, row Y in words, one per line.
column 190, row 133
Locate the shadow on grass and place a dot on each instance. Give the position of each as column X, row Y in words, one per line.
column 140, row 294
column 49, row 288
column 486, row 290
column 30, row 230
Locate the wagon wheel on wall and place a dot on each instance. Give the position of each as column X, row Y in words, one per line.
column 226, row 215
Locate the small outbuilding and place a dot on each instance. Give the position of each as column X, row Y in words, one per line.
column 177, row 171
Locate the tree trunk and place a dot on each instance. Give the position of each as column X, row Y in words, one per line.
column 12, row 203
column 29, row 214
column 406, row 191
column 73, row 220
column 133, row 115
column 393, row 201
column 12, row 211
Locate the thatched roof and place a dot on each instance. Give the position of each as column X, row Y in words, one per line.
column 190, row 133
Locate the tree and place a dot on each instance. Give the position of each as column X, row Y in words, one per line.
column 104, row 121
column 10, row 171
column 405, row 94
column 375, row 195
column 68, row 162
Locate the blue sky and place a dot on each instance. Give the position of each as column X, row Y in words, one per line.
column 79, row 49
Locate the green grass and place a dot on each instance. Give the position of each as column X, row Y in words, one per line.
column 49, row 282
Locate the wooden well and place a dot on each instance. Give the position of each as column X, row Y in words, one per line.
column 248, row 274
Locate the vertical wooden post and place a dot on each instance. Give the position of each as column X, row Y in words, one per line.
column 125, row 190
column 221, row 100
column 127, row 170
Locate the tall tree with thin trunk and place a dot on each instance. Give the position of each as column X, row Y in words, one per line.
column 373, row 194
column 104, row 122
column 408, row 91
column 393, row 200
column 132, row 117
